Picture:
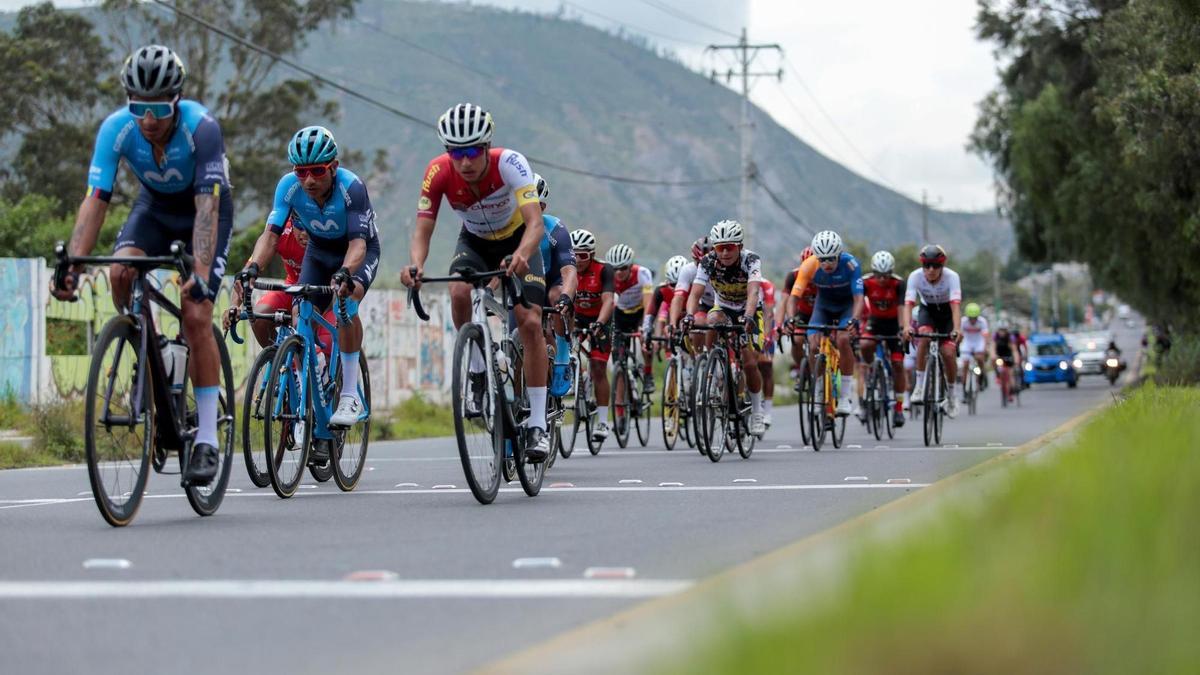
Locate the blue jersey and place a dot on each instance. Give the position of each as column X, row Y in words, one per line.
column 838, row 287
column 347, row 214
column 556, row 249
column 193, row 162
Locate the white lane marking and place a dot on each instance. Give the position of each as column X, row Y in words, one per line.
column 106, row 564
column 450, row 489
column 308, row 486
column 899, row 481
column 609, row 573
column 855, row 478
column 782, row 447
column 629, row 481
column 951, row 445
column 407, row 485
column 854, row 446
column 662, row 453
column 533, row 563
column 445, row 487
column 232, row 490
column 305, row 589
column 670, row 484
column 745, row 480
column 995, row 445
column 881, row 447
column 371, row 576
column 562, row 485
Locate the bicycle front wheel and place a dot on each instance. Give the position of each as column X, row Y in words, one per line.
column 118, row 423
column 715, row 407
column 622, row 397
column 287, row 428
column 670, row 404
column 349, row 457
column 206, row 499
column 817, row 405
column 254, row 402
column 804, row 399
column 478, row 420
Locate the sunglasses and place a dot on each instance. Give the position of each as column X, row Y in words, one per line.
column 158, row 110
column 725, row 248
column 469, row 152
column 932, row 266
column 622, row 268
column 827, row 259
column 583, row 255
column 314, row 170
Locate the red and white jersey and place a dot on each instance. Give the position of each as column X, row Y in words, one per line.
column 766, row 291
column 629, row 292
column 291, row 251
column 490, row 209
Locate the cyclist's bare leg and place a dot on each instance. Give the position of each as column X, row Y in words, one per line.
column 599, row 372
column 529, row 325
column 264, row 331
column 460, row 303
column 120, row 277
column 950, row 358
column 847, row 354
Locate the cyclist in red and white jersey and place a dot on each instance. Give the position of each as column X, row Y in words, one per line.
column 939, row 292
column 494, row 193
column 633, row 286
column 683, row 287
column 594, row 305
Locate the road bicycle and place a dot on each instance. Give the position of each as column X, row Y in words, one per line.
column 302, row 394
column 825, row 388
column 582, row 406
column 673, row 409
column 487, row 387
column 723, row 403
column 139, row 401
column 974, row 380
column 803, row 380
column 631, row 403
column 880, row 390
column 933, row 397
column 1009, row 393
column 557, row 409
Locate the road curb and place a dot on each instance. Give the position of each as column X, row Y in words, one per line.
column 616, row 630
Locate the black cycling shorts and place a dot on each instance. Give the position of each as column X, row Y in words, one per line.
column 476, row 254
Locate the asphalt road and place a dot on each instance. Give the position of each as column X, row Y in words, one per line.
column 268, row 585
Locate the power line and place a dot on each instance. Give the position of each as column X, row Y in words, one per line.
column 783, row 206
column 631, row 27
column 423, row 49
column 412, row 118
column 809, row 125
column 684, row 16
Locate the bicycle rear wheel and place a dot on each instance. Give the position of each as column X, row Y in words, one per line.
column 669, row 410
column 695, row 399
column 874, row 401
column 287, row 429
column 206, row 499
column 118, row 424
column 573, row 412
column 642, row 412
column 349, row 456
column 480, row 434
column 741, row 399
column 622, row 402
column 804, row 399
column 939, row 417
column 715, row 408
column 254, row 402
column 929, row 402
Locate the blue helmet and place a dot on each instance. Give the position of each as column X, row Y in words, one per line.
column 312, row 145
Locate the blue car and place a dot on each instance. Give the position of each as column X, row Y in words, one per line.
column 1050, row 360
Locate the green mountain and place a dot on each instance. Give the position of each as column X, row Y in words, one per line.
column 577, row 96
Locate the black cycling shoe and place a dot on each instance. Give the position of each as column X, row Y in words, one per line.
column 202, row 467
column 320, row 451
column 537, row 445
column 897, row 419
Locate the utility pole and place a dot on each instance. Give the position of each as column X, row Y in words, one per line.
column 925, row 206
column 745, row 53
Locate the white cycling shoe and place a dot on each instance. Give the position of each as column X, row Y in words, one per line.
column 347, row 412
column 758, row 426
column 600, row 431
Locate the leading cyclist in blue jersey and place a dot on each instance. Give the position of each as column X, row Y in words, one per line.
column 562, row 280
column 330, row 203
column 175, row 149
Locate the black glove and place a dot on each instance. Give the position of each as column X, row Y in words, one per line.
column 687, row 323
column 342, row 279
column 751, row 323
column 199, row 290
column 596, row 329
column 564, row 301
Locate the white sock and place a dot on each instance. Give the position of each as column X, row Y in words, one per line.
column 537, row 408
column 350, row 374
column 768, row 405
column 756, row 401
column 206, row 410
column 950, row 390
column 601, row 413
column 478, row 364
column 848, row 390
column 920, row 388
column 902, row 397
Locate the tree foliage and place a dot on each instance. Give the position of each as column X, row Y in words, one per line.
column 1095, row 133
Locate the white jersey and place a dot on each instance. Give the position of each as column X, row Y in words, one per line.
column 629, row 294
column 945, row 291
column 687, row 275
column 973, row 330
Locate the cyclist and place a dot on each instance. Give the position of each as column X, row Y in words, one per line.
column 735, row 275
column 664, row 294
column 766, row 359
column 683, row 289
column 974, row 329
column 885, row 294
column 939, row 292
column 175, row 149
column 594, row 304
column 803, row 309
column 494, row 193
column 633, row 286
column 838, row 278
column 561, row 284
column 1004, row 349
column 331, row 203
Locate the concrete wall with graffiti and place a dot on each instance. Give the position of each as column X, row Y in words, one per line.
column 404, row 355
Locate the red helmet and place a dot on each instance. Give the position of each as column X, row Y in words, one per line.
column 932, row 253
column 806, row 253
column 700, row 247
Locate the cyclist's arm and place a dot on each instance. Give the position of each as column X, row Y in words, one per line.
column 646, row 279
column 211, row 181
column 360, row 226
column 264, row 248
column 608, row 299
column 570, row 280
column 693, row 299
column 535, row 228
column 102, row 175
column 418, row 250
column 564, row 260
column 678, row 301
column 204, row 233
column 356, row 253
column 87, row 225
column 752, row 293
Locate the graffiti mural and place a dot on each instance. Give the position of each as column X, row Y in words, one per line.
column 18, row 314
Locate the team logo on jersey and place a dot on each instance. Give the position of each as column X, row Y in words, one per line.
column 515, row 161
column 528, row 194
column 424, row 203
column 433, row 171
column 164, row 177
column 535, row 279
column 318, row 226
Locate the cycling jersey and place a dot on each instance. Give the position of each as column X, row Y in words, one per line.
column 490, row 209
column 936, row 295
column 346, row 215
column 974, row 330
column 836, row 288
column 730, row 283
column 291, row 251
column 807, row 297
column 766, row 291
column 630, row 292
column 884, row 294
column 593, row 284
column 660, row 300
column 687, row 275
column 1004, row 346
column 556, row 249
column 193, row 162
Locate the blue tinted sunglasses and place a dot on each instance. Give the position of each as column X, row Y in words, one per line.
column 158, row 110
column 470, row 152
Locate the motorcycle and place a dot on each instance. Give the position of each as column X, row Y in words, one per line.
column 1113, row 367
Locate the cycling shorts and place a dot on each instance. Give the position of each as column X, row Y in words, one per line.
column 320, row 264
column 601, row 345
column 830, row 314
column 934, row 322
column 889, row 329
column 971, row 347
column 736, row 317
column 627, row 322
column 153, row 225
column 476, row 254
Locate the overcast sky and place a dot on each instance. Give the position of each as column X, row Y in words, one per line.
column 886, row 88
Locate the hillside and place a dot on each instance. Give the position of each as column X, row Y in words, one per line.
column 578, row 96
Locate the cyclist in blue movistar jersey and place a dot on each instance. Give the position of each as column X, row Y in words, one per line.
column 837, row 277
column 562, row 280
column 175, row 149
column 331, row 204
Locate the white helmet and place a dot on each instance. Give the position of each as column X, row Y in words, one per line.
column 153, row 71
column 674, row 264
column 827, row 244
column 543, row 191
column 883, row 262
column 619, row 256
column 464, row 125
column 725, row 232
column 582, row 240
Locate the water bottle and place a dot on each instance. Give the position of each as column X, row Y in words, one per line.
column 322, row 364
column 175, row 356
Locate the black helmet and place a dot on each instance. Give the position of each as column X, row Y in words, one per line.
column 932, row 253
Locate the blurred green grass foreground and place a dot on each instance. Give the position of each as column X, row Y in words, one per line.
column 1082, row 559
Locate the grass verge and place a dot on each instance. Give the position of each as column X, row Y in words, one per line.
column 1084, row 560
column 55, row 429
column 416, row 417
